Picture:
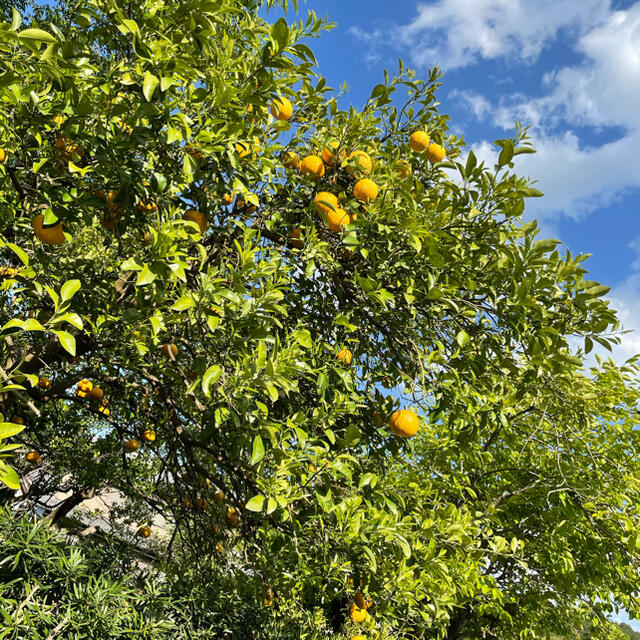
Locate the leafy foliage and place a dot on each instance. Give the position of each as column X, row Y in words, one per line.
column 271, row 462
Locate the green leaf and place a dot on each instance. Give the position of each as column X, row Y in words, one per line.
column 36, row 34
column 462, row 338
column 8, row 476
column 149, row 85
column 146, row 276
column 303, row 338
column 211, row 376
column 8, row 429
column 183, row 304
column 257, row 452
column 280, row 33
column 16, row 19
column 256, row 503
column 67, row 341
column 69, row 288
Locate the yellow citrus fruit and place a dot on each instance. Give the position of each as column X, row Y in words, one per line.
column 338, row 219
column 147, row 207
column 359, row 599
column 194, row 152
column 290, row 159
column 51, row 234
column 218, row 497
column 357, row 638
column 44, row 383
column 227, row 198
column 329, row 153
column 3, row 155
column 403, row 168
column 131, row 445
column 33, row 457
column 219, row 547
column 233, row 517
column 59, row 119
column 361, row 162
column 436, row 152
column 170, row 350
column 198, row 218
column 365, row 190
column 419, row 141
column 281, row 109
column 144, row 531
column 294, row 239
column 96, row 393
column 149, row 435
column 313, row 167
column 325, row 202
column 357, row 614
column 85, row 385
column 345, row 356
column 404, row 423
column 241, row 205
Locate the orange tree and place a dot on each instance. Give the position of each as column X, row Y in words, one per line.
column 314, row 352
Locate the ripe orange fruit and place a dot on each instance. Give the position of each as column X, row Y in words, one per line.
column 377, row 419
column 436, row 152
column 233, row 517
column 241, row 205
column 218, row 497
column 325, row 202
column 329, row 153
column 202, row 504
column 149, row 435
column 403, row 168
column 337, row 219
column 3, row 155
column 194, row 152
column 227, row 198
column 147, row 207
column 85, row 385
column 59, row 119
column 96, row 393
column 359, row 599
column 242, row 149
column 345, row 356
column 357, row 614
column 313, row 167
column 281, row 109
column 198, row 218
column 170, row 350
column 361, row 160
column 104, row 411
column 109, row 221
column 144, row 531
column 294, row 239
column 219, row 547
column 44, row 383
column 365, row 190
column 50, row 234
column 419, row 141
column 131, row 445
column 290, row 159
column 357, row 638
column 404, row 423
column 17, row 420
column 33, row 457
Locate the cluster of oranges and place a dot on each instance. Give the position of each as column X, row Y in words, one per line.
column 85, row 388
column 148, row 435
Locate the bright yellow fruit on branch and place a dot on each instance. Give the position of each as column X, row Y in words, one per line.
column 149, row 435
column 403, row 168
column 218, row 497
column 246, row 207
column 281, row 109
column 338, row 219
column 50, row 234
column 233, row 517
column 291, row 160
column 329, row 153
column 131, row 445
column 357, row 638
column 227, row 198
column 170, row 350
column 419, row 141
column 147, row 207
column 365, row 190
column 360, row 162
column 404, row 423
column 3, row 155
column 96, row 393
column 44, row 383
column 436, row 152
column 198, row 218
column 357, row 614
column 345, row 356
column 325, row 202
column 313, row 167
column 144, row 531
column 33, row 457
column 84, row 388
column 359, row 599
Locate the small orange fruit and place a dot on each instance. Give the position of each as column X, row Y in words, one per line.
column 329, row 153
column 44, row 383
column 104, row 411
column 404, row 423
column 290, row 159
column 227, row 199
column 218, row 497
column 419, row 141
column 219, row 547
column 17, row 420
column 3, row 155
column 144, row 531
column 361, row 162
column 337, row 219
column 85, row 385
column 357, row 614
column 242, row 149
column 202, row 504
column 313, row 167
column 345, row 356
column 365, row 190
column 170, row 350
column 241, row 205
column 436, row 152
column 50, row 234
column 194, row 152
column 33, row 457
column 233, row 517
column 147, row 207
column 198, row 218
column 149, row 435
column 359, row 599
column 403, row 168
column 96, row 393
column 131, row 445
column 294, row 239
column 325, row 202
column 281, row 109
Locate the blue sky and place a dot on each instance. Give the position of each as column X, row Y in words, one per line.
column 568, row 68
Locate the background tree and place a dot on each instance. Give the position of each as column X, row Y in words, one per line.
column 220, row 288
